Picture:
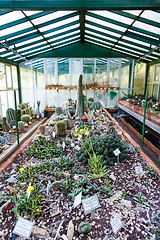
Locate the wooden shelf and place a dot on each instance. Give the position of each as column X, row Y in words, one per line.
column 48, row 87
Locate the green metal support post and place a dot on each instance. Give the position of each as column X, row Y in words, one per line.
column 144, row 120
column 15, row 101
column 19, row 84
column 146, row 79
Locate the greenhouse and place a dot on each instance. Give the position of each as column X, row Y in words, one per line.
column 80, row 120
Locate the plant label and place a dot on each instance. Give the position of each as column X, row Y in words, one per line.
column 77, row 200
column 53, row 134
column 117, row 152
column 116, row 224
column 90, row 204
column 138, row 170
column 23, row 228
column 63, row 146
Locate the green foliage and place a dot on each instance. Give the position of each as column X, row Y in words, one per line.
column 25, row 118
column 107, row 189
column 110, row 123
column 10, row 115
column 83, row 124
column 66, row 185
column 152, row 173
column 43, row 148
column 124, row 193
column 61, row 128
column 22, row 106
column 19, row 113
column 141, row 199
column 64, row 163
column 58, row 111
column 6, row 127
column 21, row 126
column 84, row 227
column 80, row 186
column 104, row 147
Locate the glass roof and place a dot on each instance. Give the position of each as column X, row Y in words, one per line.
column 26, row 34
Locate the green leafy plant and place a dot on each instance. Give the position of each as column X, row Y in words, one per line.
column 152, row 173
column 66, row 185
column 64, row 163
column 107, row 189
column 124, row 193
column 141, row 199
column 80, row 186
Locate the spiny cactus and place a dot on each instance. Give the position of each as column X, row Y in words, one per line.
column 80, row 99
column 10, row 115
column 25, row 118
column 110, row 123
column 96, row 105
column 58, row 111
column 21, row 126
column 12, row 123
column 19, row 113
column 42, row 129
column 6, row 127
column 90, row 99
column 61, row 128
column 66, row 122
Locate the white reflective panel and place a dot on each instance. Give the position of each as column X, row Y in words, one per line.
column 142, row 34
column 136, row 41
column 98, row 35
column 7, row 54
column 63, row 36
column 16, row 28
column 37, row 53
column 103, row 30
column 21, row 35
column 58, row 24
column 105, row 23
column 133, row 46
column 31, row 46
column 36, row 50
column 70, row 39
column 51, row 16
column 66, row 44
column 113, row 16
column 134, row 12
column 10, row 17
column 90, row 41
column 28, row 41
column 30, row 13
column 147, row 27
column 151, row 15
column 125, row 52
column 62, row 30
column 130, row 50
column 94, row 38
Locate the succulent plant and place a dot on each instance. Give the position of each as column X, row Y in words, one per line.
column 58, row 111
column 66, row 122
column 96, row 105
column 61, row 128
column 6, row 127
column 90, row 99
column 42, row 129
column 25, row 118
column 19, row 113
column 10, row 115
column 21, row 126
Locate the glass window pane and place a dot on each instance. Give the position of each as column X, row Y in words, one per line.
column 157, row 74
column 63, row 73
column 151, row 15
column 14, row 77
column 2, row 77
column 9, row 77
column 139, row 78
column 155, row 91
column 124, row 77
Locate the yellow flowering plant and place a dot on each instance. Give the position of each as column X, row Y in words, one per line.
column 21, row 169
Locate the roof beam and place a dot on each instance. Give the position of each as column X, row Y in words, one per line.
column 78, row 4
column 82, row 24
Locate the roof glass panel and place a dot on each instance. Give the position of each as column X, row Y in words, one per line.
column 134, row 12
column 66, row 44
column 10, row 17
column 29, row 41
column 59, row 42
column 102, row 30
column 62, row 30
column 129, row 50
column 147, row 27
column 99, row 44
column 21, row 35
column 58, row 24
column 63, row 36
column 16, row 28
column 94, row 38
column 37, row 53
column 105, row 23
column 30, row 13
column 118, row 50
column 142, row 34
column 133, row 46
column 154, row 16
column 35, row 50
column 50, row 16
column 100, row 35
column 31, row 46
column 136, row 41
column 113, row 16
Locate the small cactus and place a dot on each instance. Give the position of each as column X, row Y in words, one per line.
column 66, row 122
column 6, row 127
column 25, row 118
column 10, row 115
column 21, row 126
column 19, row 113
column 42, row 129
column 90, row 99
column 12, row 123
column 96, row 105
column 110, row 123
column 58, row 111
column 61, row 128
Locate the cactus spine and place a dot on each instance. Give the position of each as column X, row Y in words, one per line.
column 25, row 118
column 80, row 98
column 61, row 128
column 10, row 115
column 21, row 126
column 58, row 111
column 42, row 129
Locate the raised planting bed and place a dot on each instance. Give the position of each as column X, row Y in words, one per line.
column 50, row 165
column 48, row 112
column 152, row 119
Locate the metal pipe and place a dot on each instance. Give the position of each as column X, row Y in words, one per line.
column 15, row 101
column 144, row 120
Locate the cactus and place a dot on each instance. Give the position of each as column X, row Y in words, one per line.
column 12, row 123
column 25, row 118
column 110, row 123
column 58, row 111
column 42, row 129
column 72, row 111
column 19, row 113
column 10, row 115
column 21, row 126
column 80, row 99
column 66, row 122
column 22, row 106
column 61, row 128
column 96, row 105
column 90, row 99
column 6, row 127
column 112, row 130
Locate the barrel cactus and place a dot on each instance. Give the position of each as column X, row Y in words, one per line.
column 10, row 115
column 58, row 111
column 12, row 123
column 42, row 129
column 66, row 122
column 6, row 127
column 90, row 99
column 19, row 113
column 96, row 105
column 25, row 118
column 61, row 128
column 21, row 126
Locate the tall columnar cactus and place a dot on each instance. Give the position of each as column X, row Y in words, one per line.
column 66, row 122
column 10, row 115
column 80, row 98
column 61, row 128
column 42, row 129
column 25, row 118
column 58, row 111
column 6, row 127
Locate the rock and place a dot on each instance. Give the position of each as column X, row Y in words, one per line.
column 12, row 179
column 77, row 148
column 2, row 186
column 70, row 231
column 2, row 233
column 139, row 209
column 64, row 237
column 54, row 210
column 39, row 232
column 12, row 190
column 72, row 145
column 116, row 196
column 127, row 203
column 76, row 177
column 112, row 176
column 84, row 227
column 55, row 185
